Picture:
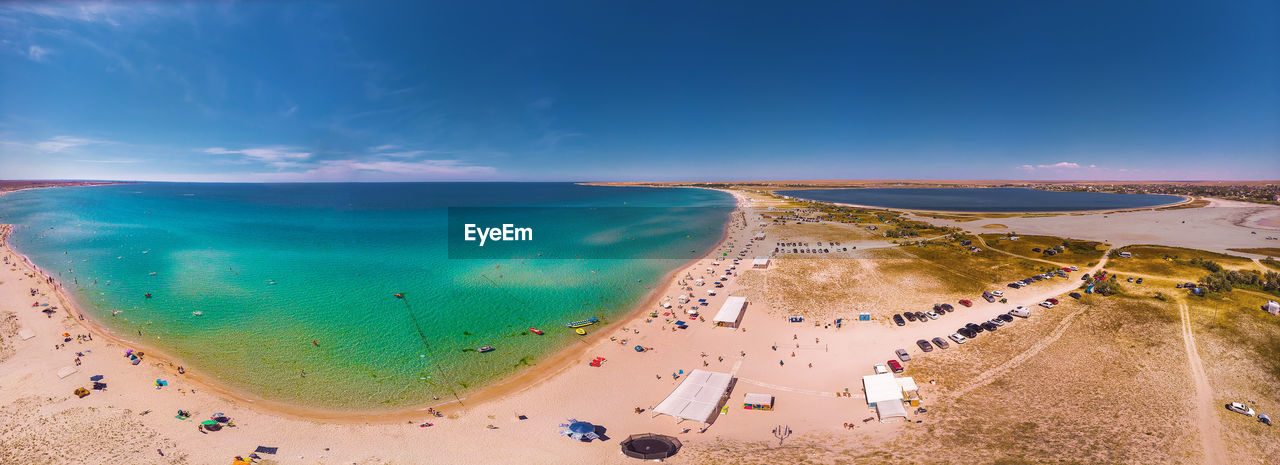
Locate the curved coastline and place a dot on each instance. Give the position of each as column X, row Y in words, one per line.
column 515, row 382
column 1185, row 200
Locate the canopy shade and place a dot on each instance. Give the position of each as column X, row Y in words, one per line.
column 582, row 427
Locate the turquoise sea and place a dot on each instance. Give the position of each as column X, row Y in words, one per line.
column 273, row 267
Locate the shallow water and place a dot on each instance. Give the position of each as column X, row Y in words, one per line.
column 274, row 267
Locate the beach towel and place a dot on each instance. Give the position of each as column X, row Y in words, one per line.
column 266, row 450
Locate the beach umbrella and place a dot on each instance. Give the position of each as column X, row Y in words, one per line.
column 582, row 427
column 95, row 378
column 639, row 349
column 209, row 423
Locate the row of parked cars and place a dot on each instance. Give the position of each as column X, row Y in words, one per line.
column 1062, row 273
column 961, row 336
column 901, row 319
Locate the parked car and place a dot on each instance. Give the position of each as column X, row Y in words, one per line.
column 924, row 345
column 966, row 302
column 911, row 316
column 895, row 366
column 902, row 354
column 1075, row 268
column 1020, row 311
column 1075, row 295
column 974, row 327
column 1052, row 301
column 921, row 316
column 996, row 321
column 936, row 307
column 942, row 344
column 997, row 293
column 1240, row 408
column 948, row 307
column 897, row 319
column 987, row 325
column 881, row 368
column 1015, row 285
column 958, row 338
column 989, row 297
column 1005, row 318
column 1139, row 281
column 966, row 332
column 1046, row 304
column 931, row 315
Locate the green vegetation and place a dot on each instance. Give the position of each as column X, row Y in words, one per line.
column 1073, row 251
column 1174, row 262
column 1226, row 280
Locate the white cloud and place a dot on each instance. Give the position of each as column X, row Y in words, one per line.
column 60, row 143
column 1059, row 165
column 279, row 156
column 37, row 53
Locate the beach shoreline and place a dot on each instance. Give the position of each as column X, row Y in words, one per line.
column 516, row 382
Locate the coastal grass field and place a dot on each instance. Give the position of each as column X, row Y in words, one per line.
column 1072, row 251
column 1172, row 262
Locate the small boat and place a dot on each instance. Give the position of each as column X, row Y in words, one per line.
column 485, row 349
column 581, row 323
column 535, row 331
column 197, row 313
column 399, row 295
column 153, row 273
column 580, row 331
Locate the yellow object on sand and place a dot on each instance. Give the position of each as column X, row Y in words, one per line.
column 580, row 331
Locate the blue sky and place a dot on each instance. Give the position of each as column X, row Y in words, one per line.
column 377, row 91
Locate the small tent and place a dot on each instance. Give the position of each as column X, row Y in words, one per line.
column 1272, row 307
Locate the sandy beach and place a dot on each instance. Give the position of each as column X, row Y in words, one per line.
column 806, row 366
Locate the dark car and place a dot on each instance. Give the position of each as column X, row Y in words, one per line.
column 924, row 345
column 936, row 307
column 974, row 327
column 940, row 311
column 948, row 307
column 1139, row 280
column 989, row 326
column 942, row 344
column 966, row 302
column 910, row 316
column 966, row 332
column 1075, row 295
column 1005, row 317
column 895, row 366
column 897, row 319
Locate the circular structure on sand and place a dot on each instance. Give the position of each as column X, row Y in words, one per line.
column 649, row 446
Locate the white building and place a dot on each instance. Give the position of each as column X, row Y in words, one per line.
column 760, row 263
column 730, row 313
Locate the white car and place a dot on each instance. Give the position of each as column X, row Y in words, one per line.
column 931, row 315
column 1075, row 268
column 997, row 321
column 881, row 369
column 1046, row 304
column 997, row 293
column 1240, row 408
column 958, row 338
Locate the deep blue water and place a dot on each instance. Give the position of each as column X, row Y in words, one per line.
column 995, row 199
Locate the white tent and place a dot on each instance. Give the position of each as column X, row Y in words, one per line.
column 907, row 383
column 882, row 388
column 891, row 410
column 697, row 397
column 67, row 371
column 1272, row 307
column 731, row 311
column 760, row 262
